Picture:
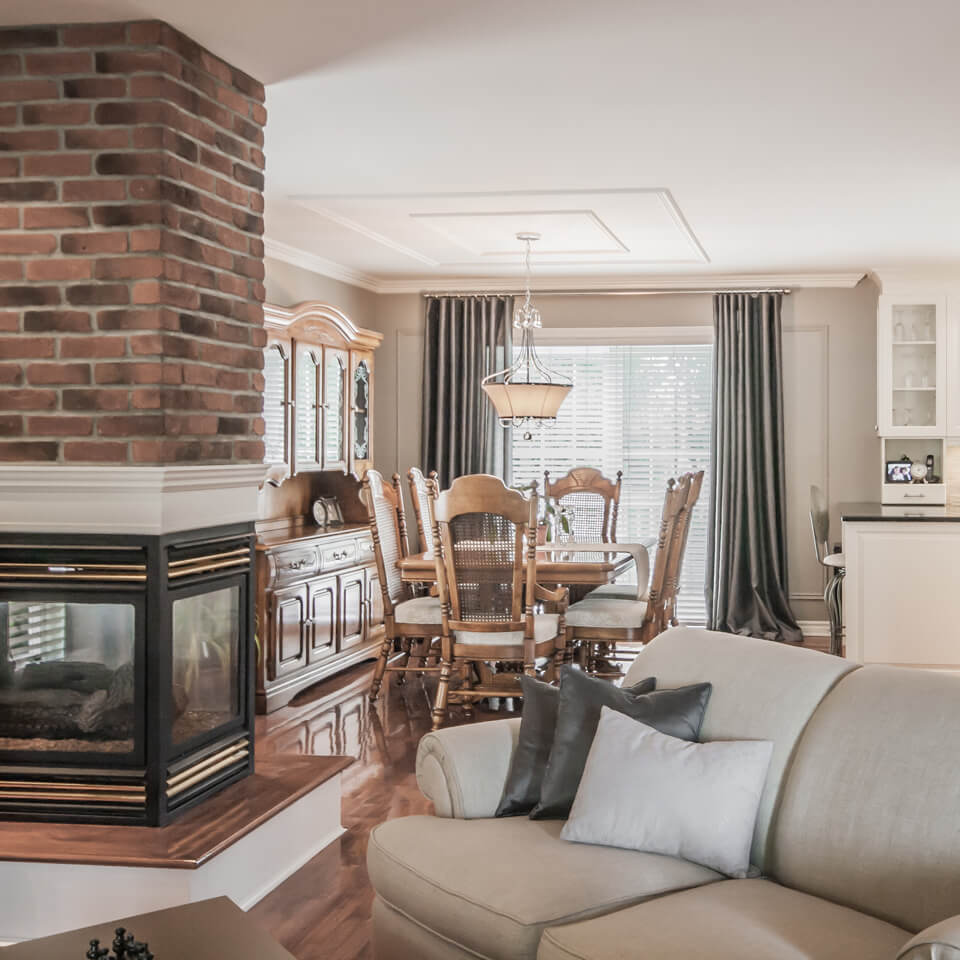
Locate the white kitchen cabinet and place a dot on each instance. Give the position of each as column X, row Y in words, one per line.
column 913, row 376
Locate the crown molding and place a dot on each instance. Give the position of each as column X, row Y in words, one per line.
column 629, row 283
column 668, row 283
column 310, row 261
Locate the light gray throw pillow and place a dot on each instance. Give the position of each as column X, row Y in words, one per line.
column 645, row 790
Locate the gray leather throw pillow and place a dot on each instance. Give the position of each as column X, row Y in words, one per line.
column 537, row 725
column 678, row 713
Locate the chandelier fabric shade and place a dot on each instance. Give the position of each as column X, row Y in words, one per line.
column 527, row 389
column 527, row 401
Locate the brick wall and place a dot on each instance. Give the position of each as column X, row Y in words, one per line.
column 131, row 252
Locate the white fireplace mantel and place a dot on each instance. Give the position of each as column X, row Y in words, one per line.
column 57, row 498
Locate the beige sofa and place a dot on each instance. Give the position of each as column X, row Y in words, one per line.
column 857, row 839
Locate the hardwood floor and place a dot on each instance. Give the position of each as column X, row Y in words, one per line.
column 322, row 912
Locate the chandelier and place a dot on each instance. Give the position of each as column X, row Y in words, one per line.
column 527, row 389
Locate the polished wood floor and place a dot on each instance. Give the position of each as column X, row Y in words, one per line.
column 322, row 912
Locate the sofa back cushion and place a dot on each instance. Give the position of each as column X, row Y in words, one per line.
column 870, row 813
column 761, row 691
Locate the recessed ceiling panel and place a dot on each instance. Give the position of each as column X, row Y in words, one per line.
column 494, row 234
column 467, row 230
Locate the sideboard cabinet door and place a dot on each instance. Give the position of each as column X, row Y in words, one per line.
column 351, row 609
column 289, row 632
column 322, row 604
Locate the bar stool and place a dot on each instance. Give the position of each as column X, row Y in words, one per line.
column 833, row 563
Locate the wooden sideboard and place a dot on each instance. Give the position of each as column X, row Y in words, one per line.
column 319, row 607
column 319, row 604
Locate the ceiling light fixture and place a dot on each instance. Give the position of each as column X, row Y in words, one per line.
column 527, row 389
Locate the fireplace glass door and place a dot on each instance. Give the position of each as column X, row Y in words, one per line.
column 67, row 678
column 206, row 652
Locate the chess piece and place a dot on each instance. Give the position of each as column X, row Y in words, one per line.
column 118, row 942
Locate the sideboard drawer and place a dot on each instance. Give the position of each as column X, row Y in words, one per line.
column 297, row 564
column 342, row 554
column 364, row 550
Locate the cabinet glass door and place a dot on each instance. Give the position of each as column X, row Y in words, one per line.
column 912, row 395
column 335, row 400
column 275, row 404
column 307, row 409
column 361, row 411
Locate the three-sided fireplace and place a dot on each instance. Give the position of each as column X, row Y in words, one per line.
column 126, row 673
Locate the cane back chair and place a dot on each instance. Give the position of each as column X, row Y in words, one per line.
column 423, row 489
column 591, row 498
column 484, row 544
column 596, row 624
column 410, row 622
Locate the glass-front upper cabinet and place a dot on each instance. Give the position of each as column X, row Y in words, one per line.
column 307, row 409
column 911, row 381
column 335, row 409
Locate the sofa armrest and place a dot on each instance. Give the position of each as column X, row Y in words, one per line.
column 463, row 769
column 941, row 941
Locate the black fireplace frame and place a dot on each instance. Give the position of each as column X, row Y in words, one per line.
column 171, row 779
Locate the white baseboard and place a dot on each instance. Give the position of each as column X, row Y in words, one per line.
column 814, row 628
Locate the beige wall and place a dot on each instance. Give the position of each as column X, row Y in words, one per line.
column 829, row 385
column 287, row 285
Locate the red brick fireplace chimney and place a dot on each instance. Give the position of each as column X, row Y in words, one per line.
column 131, row 252
column 131, row 344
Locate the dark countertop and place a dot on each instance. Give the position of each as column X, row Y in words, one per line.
column 859, row 512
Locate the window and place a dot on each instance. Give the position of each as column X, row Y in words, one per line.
column 643, row 408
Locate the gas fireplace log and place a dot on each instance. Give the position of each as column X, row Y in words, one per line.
column 65, row 675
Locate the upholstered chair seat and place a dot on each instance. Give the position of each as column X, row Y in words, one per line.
column 618, row 591
column 607, row 612
column 546, row 626
column 419, row 610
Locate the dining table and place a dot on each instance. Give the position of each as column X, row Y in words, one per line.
column 568, row 564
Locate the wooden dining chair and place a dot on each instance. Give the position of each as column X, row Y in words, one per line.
column 591, row 498
column 596, row 624
column 422, row 490
column 410, row 622
column 679, row 550
column 484, row 543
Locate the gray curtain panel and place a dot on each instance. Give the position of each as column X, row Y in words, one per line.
column 466, row 339
column 746, row 586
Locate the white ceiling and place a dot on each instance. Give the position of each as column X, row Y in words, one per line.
column 647, row 140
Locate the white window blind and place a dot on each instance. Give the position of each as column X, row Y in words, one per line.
column 641, row 408
column 274, row 406
column 36, row 631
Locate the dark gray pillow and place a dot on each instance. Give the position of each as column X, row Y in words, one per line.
column 678, row 713
column 537, row 725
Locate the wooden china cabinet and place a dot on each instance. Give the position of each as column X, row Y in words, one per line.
column 319, row 607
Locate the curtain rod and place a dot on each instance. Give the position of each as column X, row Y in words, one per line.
column 605, row 293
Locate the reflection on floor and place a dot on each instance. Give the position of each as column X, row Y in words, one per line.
column 323, row 911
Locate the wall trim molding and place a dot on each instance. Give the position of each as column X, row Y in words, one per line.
column 59, row 498
column 619, row 285
column 814, row 628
